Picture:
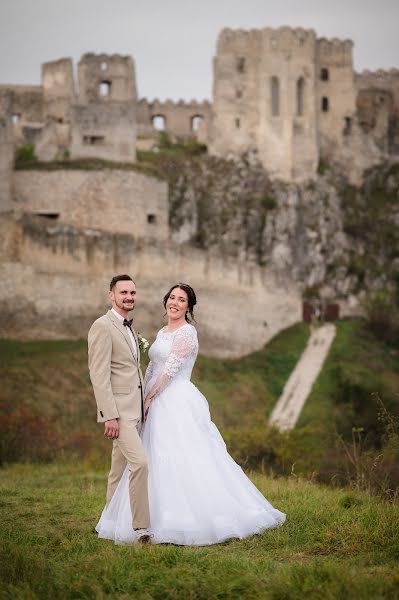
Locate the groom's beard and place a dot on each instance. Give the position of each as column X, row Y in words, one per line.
column 125, row 305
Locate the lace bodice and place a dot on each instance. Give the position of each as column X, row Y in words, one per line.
column 172, row 356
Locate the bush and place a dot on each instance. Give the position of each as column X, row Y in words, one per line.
column 25, row 432
column 269, row 202
column 26, row 153
column 382, row 313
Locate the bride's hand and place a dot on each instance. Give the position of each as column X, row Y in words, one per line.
column 146, row 406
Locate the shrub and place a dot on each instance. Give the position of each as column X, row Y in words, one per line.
column 382, row 313
column 26, row 153
column 269, row 202
column 26, row 434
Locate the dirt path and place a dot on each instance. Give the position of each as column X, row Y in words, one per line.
column 298, row 387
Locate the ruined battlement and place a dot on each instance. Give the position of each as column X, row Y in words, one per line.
column 282, row 38
column 179, row 104
column 181, row 120
column 381, row 79
column 335, row 52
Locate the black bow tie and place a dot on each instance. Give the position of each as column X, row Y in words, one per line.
column 128, row 323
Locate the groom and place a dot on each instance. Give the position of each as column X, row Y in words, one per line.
column 114, row 363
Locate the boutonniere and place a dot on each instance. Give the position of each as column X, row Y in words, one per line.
column 143, row 343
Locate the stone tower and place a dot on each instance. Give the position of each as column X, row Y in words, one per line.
column 264, row 98
column 336, row 95
column 104, row 119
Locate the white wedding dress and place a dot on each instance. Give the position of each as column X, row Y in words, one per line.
column 198, row 495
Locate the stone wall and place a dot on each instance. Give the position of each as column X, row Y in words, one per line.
column 378, row 107
column 67, row 272
column 118, row 201
column 182, row 120
column 6, row 150
column 27, row 103
column 58, row 89
column 106, row 131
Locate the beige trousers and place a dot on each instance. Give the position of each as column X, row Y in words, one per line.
column 128, row 450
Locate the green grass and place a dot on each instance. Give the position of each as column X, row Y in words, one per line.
column 357, row 367
column 87, row 164
column 334, row 544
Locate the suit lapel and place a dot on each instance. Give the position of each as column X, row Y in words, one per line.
column 123, row 330
column 137, row 346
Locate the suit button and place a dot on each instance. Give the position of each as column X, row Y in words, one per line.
column 139, row 387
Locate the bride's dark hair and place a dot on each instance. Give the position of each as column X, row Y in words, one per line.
column 191, row 297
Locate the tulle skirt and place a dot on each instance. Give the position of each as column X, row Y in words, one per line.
column 198, row 495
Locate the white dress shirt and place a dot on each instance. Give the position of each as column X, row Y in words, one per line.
column 129, row 331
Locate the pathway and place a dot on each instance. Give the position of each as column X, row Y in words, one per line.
column 298, row 387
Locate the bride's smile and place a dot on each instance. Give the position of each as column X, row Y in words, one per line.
column 176, row 305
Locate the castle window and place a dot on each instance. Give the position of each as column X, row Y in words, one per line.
column 275, row 94
column 273, row 43
column 348, row 126
column 196, row 122
column 15, row 118
column 53, row 216
column 325, row 105
column 324, row 74
column 300, row 85
column 151, row 218
column 240, row 64
column 103, row 66
column 238, row 93
column 104, row 88
column 159, row 122
column 93, row 140
column 238, row 123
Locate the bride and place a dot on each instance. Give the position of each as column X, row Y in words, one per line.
column 198, row 495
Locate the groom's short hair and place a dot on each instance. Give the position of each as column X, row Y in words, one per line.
column 117, row 278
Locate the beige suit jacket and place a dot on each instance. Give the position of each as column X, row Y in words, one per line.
column 114, row 370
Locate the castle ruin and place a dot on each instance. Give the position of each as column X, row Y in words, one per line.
column 290, row 98
column 296, row 100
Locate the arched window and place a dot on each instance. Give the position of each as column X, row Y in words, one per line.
column 238, row 123
column 104, row 66
column 104, row 88
column 275, row 95
column 324, row 74
column 159, row 122
column 325, row 105
column 196, row 121
column 300, row 86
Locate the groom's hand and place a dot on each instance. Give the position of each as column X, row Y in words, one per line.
column 111, row 429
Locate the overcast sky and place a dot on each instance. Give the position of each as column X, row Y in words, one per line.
column 173, row 41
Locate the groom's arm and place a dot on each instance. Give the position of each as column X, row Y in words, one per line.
column 100, row 350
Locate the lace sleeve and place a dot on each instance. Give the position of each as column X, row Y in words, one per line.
column 148, row 375
column 184, row 345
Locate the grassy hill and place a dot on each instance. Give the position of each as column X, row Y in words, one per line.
column 335, row 544
column 48, row 409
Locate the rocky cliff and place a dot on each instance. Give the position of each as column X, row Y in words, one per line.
column 334, row 240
